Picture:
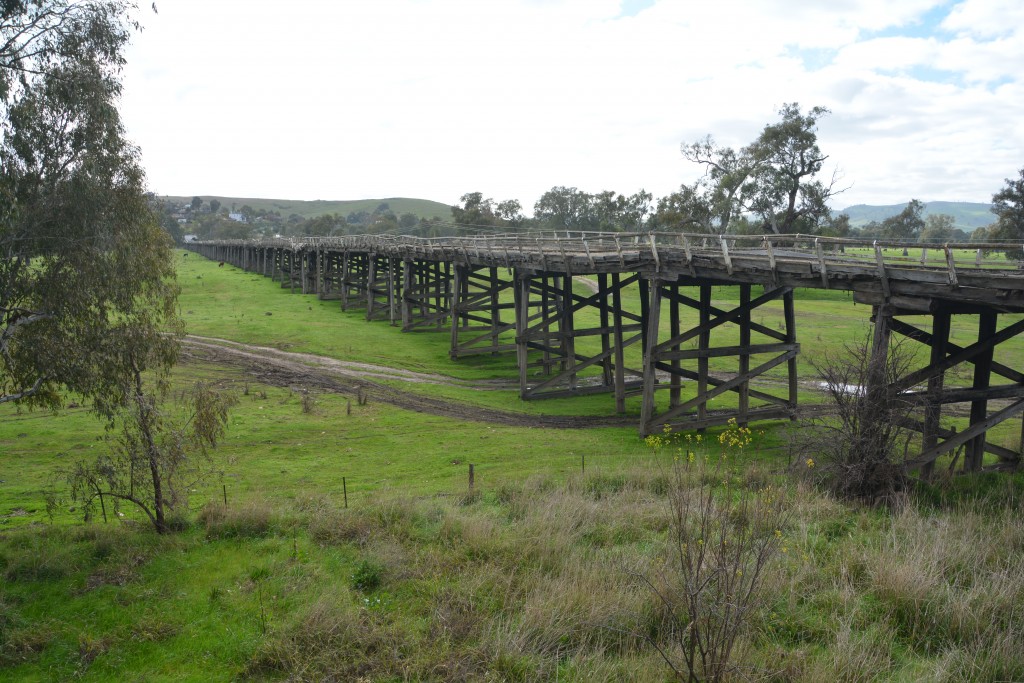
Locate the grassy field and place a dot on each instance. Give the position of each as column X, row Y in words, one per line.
column 535, row 574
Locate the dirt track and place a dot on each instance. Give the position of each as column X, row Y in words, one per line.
column 285, row 369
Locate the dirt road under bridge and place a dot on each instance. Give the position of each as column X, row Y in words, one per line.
column 318, row 373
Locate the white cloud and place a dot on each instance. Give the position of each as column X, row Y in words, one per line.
column 435, row 98
column 986, row 18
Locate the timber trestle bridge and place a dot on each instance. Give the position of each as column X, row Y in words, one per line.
column 514, row 294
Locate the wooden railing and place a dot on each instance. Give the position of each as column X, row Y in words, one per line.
column 652, row 249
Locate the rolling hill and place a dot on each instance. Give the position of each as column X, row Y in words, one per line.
column 966, row 215
column 421, row 208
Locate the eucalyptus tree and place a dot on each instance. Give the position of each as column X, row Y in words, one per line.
column 907, row 224
column 770, row 185
column 87, row 290
column 572, row 209
column 479, row 213
column 1008, row 206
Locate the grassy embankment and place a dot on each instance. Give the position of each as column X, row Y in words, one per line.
column 528, row 578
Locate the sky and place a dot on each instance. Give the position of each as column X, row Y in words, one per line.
column 354, row 99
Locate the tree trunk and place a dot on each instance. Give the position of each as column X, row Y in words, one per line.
column 152, row 453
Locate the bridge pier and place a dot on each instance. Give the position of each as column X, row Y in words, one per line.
column 478, row 315
column 668, row 356
column 330, row 271
column 307, row 270
column 936, row 441
column 355, row 270
column 426, row 294
column 548, row 317
column 381, row 302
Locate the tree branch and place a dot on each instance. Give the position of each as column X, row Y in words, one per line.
column 32, row 391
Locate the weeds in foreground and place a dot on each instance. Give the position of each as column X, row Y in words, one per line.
column 526, row 583
column 722, row 538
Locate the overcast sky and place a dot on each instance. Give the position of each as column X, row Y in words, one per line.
column 353, row 99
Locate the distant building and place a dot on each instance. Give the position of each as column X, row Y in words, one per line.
column 237, row 217
column 190, row 238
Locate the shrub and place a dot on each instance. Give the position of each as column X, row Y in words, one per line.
column 857, row 449
column 367, row 575
column 331, row 641
column 248, row 521
column 720, row 544
column 332, row 526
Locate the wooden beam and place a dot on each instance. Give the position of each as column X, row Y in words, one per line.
column 933, row 410
column 722, row 351
column 722, row 317
column 963, row 437
column 703, row 397
column 982, row 375
column 979, row 347
column 789, row 312
column 620, row 382
column 745, row 352
column 715, row 419
column 703, row 344
column 917, row 334
column 715, row 382
column 652, row 315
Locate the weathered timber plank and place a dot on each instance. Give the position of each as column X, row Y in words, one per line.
column 966, row 435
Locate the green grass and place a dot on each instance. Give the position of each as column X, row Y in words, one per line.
column 531, row 576
column 375, row 448
column 527, row 578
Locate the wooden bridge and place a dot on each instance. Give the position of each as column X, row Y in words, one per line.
column 461, row 285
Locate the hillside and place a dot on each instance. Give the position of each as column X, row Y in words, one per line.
column 966, row 215
column 421, row 208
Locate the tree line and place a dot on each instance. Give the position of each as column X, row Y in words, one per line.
column 776, row 184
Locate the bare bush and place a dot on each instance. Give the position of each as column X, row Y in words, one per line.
column 858, row 448
column 722, row 539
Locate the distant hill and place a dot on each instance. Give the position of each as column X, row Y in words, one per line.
column 966, row 215
column 421, row 208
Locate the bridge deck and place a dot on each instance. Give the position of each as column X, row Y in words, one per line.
column 957, row 273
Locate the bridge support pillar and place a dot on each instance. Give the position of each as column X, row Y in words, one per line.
column 330, row 274
column 479, row 316
column 354, row 274
column 381, row 280
column 589, row 359
column 670, row 356
column 924, row 415
column 426, row 294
